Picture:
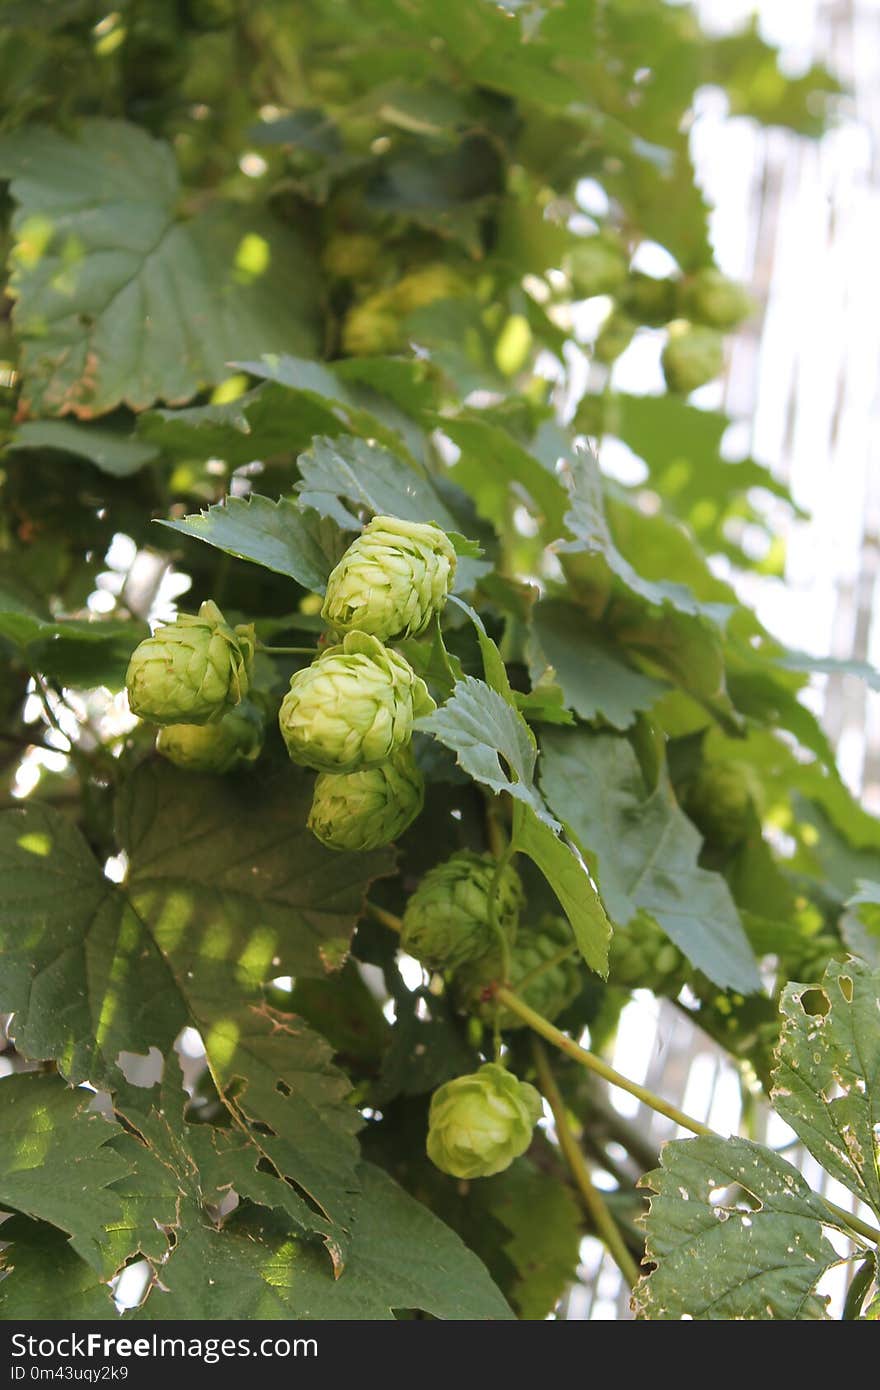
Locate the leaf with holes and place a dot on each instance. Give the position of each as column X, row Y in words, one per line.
column 826, row 1084
column 734, row 1232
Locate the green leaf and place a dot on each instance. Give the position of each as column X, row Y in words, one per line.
column 595, row 682
column 50, row 1149
column 345, row 470
column 544, row 1226
column 832, row 666
column 643, row 851
column 111, row 450
column 74, row 651
column 263, row 423
column 77, row 966
column 569, row 878
column 755, row 1253
column 403, row 1257
column 860, row 924
column 119, row 300
column 281, row 536
column 827, row 1080
column 42, row 1278
column 491, row 460
column 491, row 740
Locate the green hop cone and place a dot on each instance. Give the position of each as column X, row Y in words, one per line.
column 708, row 297
column 552, row 990
column 447, row 921
column 353, row 707
column 427, row 285
column 351, row 255
column 643, row 957
column 232, row 741
column 692, row 356
column 615, row 336
column 391, row 580
column 372, row 327
column 371, row 807
column 478, row 1124
column 191, row 671
column 721, row 801
column 649, row 300
column 596, row 265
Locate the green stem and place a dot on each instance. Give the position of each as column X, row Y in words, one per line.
column 386, row 919
column 500, row 936
column 855, row 1294
column 579, row 1054
column 606, row 1226
column 287, row 651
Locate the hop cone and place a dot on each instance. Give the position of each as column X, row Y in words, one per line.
column 235, row 739
column 552, row 990
column 709, row 297
column 353, row 707
column 391, row 580
column 596, row 265
column 368, row 808
column 447, row 922
column 191, row 671
column 351, row 255
column 478, row 1124
column 720, row 802
column 372, row 327
column 615, row 336
column 643, row 957
column 691, row 357
column 425, row 286
column 649, row 300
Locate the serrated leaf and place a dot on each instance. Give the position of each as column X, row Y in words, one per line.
column 595, row 682
column 123, row 301
column 346, row 470
column 826, row 1084
column 491, row 740
column 719, row 1257
column 281, row 536
column 263, row 423
column 56, row 1160
column 79, row 970
column 111, row 450
column 643, row 851
column 491, row 459
column 403, row 1257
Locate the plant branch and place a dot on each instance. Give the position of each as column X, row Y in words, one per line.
column 606, row 1226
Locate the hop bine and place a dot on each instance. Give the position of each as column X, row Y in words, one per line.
column 478, row 1124
column 353, row 707
column 191, row 671
column 448, row 920
column 391, row 580
column 371, row 807
column 552, row 990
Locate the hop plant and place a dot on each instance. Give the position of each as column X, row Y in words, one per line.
column 721, row 803
column 368, row 808
column 708, row 297
column 191, row 671
column 391, row 580
column 551, row 991
column 478, row 1124
column 427, row 285
column 447, row 920
column 643, row 957
column 371, row 327
column 596, row 265
column 350, row 255
column 353, row 707
column 234, row 740
column 692, row 356
column 648, row 300
column 615, row 336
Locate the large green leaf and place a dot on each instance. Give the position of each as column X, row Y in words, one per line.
column 595, row 682
column 754, row 1252
column 544, row 1235
column 643, row 851
column 111, row 450
column 78, row 968
column 826, row 1084
column 343, row 471
column 42, row 1278
column 56, row 1161
column 860, row 924
column 118, row 299
column 280, row 536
